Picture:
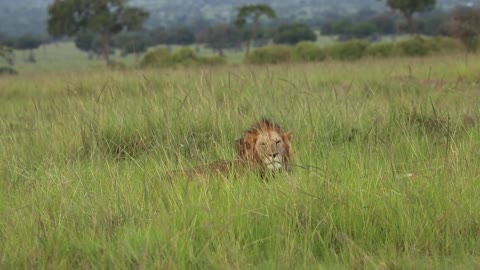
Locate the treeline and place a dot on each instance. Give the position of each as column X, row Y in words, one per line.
column 353, row 50
column 306, row 51
column 218, row 38
column 371, row 25
column 134, row 42
column 25, row 42
column 103, row 30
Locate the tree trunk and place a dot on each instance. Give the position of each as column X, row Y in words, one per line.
column 31, row 57
column 411, row 23
column 247, row 47
column 220, row 52
column 252, row 37
column 105, row 47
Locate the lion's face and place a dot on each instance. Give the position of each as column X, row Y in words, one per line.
column 272, row 150
column 266, row 144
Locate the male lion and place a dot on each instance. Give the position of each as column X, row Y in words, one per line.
column 266, row 145
column 264, row 148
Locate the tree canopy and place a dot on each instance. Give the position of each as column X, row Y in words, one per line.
column 180, row 36
column 464, row 24
column 293, row 33
column 90, row 43
column 252, row 14
column 132, row 43
column 220, row 37
column 106, row 17
column 7, row 54
column 409, row 7
column 28, row 42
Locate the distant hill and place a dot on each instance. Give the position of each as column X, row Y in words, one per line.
column 29, row 16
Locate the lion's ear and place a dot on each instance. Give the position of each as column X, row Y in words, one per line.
column 288, row 136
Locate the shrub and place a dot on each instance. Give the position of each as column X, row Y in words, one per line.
column 380, row 50
column 464, row 24
column 350, row 50
column 307, row 51
column 416, row 46
column 444, row 44
column 7, row 71
column 293, row 34
column 158, row 57
column 212, row 60
column 183, row 57
column 116, row 65
column 272, row 54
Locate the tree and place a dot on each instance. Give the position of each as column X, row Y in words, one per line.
column 7, row 54
column 293, row 33
column 409, row 7
column 363, row 30
column 384, row 22
column 105, row 17
column 347, row 29
column 464, row 24
column 6, row 40
column 132, row 43
column 180, row 36
column 252, row 13
column 6, row 51
column 28, row 42
column 84, row 42
column 433, row 23
column 91, row 43
column 220, row 37
column 158, row 35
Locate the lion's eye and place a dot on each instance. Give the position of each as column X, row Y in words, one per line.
column 262, row 144
column 278, row 141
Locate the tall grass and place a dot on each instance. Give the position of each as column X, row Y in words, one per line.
column 386, row 175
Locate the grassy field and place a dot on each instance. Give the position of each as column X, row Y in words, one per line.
column 386, row 153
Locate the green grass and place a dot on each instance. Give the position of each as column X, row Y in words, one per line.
column 388, row 151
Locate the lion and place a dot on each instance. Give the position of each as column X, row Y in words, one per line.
column 264, row 148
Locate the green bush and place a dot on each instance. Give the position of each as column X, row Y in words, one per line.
column 416, row 46
column 187, row 57
column 212, row 60
column 158, row 57
column 184, row 57
column 272, row 54
column 117, row 65
column 7, row 71
column 308, row 51
column 380, row 50
column 444, row 44
column 293, row 34
column 161, row 57
column 349, row 50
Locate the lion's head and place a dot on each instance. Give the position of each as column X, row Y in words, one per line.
column 267, row 145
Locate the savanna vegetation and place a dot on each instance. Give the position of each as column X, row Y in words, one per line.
column 385, row 141
column 385, row 170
